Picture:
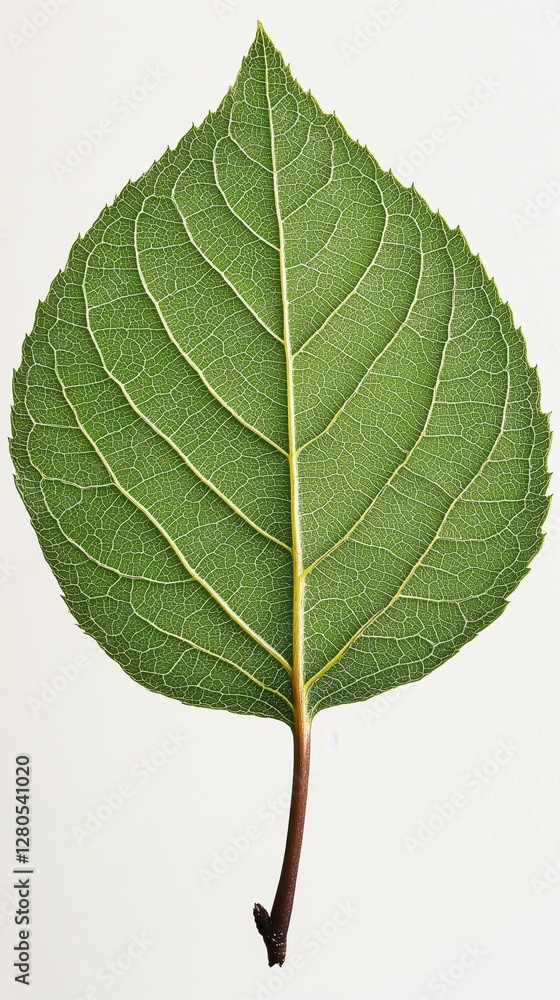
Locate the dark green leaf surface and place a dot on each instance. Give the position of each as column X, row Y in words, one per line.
column 273, row 395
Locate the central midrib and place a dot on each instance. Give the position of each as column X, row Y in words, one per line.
column 301, row 717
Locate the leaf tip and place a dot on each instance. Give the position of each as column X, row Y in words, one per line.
column 262, row 34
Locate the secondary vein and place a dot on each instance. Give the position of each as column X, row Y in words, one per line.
column 373, row 362
column 437, row 535
column 144, row 510
column 187, row 357
column 207, row 482
column 217, row 269
column 407, row 457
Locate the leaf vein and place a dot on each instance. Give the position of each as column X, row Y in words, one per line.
column 217, row 270
column 409, row 454
column 259, row 640
column 377, row 357
column 191, row 363
column 353, row 290
column 436, row 537
column 178, row 451
column 230, row 206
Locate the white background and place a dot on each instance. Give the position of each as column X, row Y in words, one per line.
column 378, row 773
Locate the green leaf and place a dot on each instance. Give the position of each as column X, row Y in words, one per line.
column 160, row 416
column 275, row 429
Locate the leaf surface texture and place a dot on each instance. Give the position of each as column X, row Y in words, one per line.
column 267, row 303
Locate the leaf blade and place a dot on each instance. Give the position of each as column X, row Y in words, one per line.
column 421, row 490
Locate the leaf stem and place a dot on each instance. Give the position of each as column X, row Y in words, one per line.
column 274, row 927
